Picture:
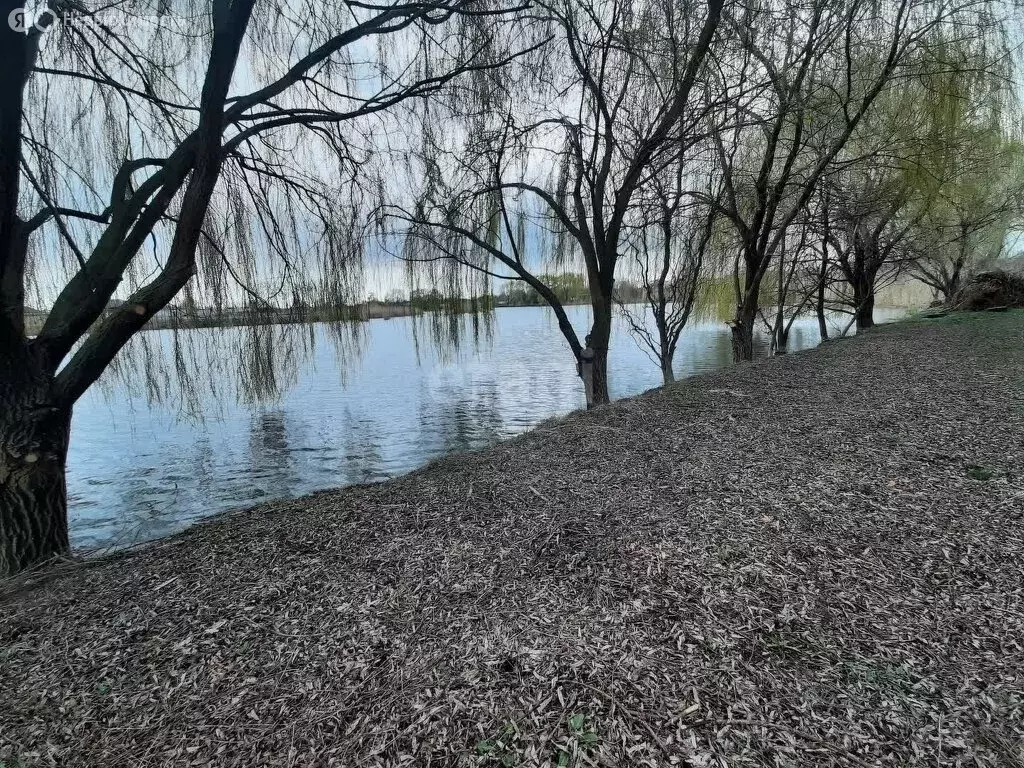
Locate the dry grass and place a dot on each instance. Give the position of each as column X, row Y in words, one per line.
column 813, row 561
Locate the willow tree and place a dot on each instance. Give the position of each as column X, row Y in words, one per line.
column 673, row 252
column 137, row 151
column 871, row 192
column 870, row 225
column 802, row 77
column 927, row 167
column 967, row 222
column 970, row 178
column 565, row 151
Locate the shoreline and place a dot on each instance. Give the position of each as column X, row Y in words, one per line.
column 353, row 314
column 104, row 517
column 740, row 550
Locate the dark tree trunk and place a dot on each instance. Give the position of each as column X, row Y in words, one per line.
column 864, row 299
column 782, row 340
column 952, row 287
column 822, row 323
column 742, row 340
column 600, row 335
column 33, row 431
column 862, row 275
column 667, row 374
column 748, row 299
column 33, row 449
column 666, row 347
column 819, row 303
column 600, row 373
column 743, row 331
column 598, row 339
column 866, row 312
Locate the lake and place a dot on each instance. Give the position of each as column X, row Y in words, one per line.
column 328, row 407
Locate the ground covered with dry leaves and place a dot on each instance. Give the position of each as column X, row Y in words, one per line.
column 817, row 560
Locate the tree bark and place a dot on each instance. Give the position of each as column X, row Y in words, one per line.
column 819, row 304
column 782, row 341
column 864, row 298
column 743, row 332
column 819, row 310
column 667, row 374
column 33, row 449
column 822, row 322
column 600, row 380
column 600, row 335
column 742, row 342
column 866, row 312
column 952, row 284
column 867, row 260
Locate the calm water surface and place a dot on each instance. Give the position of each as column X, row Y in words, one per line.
column 139, row 470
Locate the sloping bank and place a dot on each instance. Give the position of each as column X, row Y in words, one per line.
column 816, row 561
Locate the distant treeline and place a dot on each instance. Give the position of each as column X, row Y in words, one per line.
column 715, row 299
column 569, row 288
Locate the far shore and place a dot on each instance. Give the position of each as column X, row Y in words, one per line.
column 238, row 318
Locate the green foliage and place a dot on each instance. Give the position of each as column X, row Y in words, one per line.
column 428, row 300
column 501, row 749
column 568, row 287
column 960, row 168
column 434, row 300
column 582, row 737
column 716, row 298
column 933, row 177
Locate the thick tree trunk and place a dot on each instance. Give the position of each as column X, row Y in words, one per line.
column 600, row 380
column 597, row 342
column 743, row 332
column 667, row 374
column 781, row 341
column 862, row 278
column 864, row 300
column 866, row 312
column 951, row 288
column 33, row 497
column 747, row 300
